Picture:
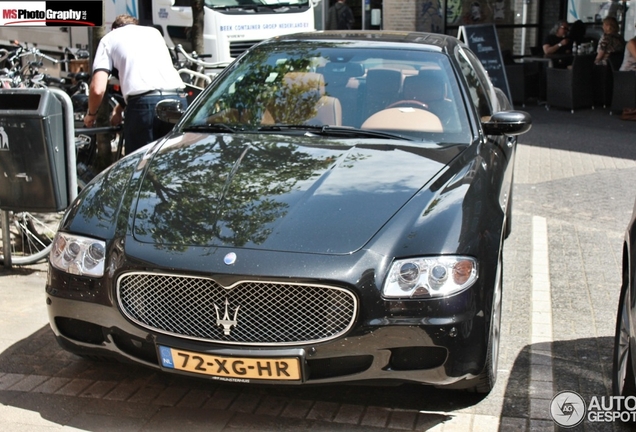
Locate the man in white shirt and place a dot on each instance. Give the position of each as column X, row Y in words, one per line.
column 146, row 76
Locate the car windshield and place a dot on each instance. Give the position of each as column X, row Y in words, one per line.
column 336, row 89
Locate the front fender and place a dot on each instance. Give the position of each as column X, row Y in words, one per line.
column 103, row 203
column 458, row 213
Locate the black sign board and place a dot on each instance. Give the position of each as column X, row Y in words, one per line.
column 483, row 41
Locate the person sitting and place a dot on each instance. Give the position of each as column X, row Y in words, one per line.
column 576, row 34
column 557, row 41
column 558, row 45
column 610, row 42
column 629, row 59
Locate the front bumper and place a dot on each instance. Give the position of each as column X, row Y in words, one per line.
column 400, row 349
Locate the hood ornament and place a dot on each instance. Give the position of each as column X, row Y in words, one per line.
column 230, row 258
column 226, row 322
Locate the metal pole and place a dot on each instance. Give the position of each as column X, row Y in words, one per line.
column 6, row 239
column 524, row 21
column 69, row 129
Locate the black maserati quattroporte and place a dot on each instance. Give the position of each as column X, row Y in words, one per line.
column 333, row 207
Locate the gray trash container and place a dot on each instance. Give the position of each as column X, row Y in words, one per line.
column 32, row 151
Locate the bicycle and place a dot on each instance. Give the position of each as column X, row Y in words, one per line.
column 195, row 72
column 30, row 236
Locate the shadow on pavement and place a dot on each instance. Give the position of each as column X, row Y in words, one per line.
column 20, row 270
column 38, row 376
column 592, row 131
column 576, row 366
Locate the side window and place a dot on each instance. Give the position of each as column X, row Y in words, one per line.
column 478, row 82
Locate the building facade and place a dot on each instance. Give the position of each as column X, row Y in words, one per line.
column 522, row 25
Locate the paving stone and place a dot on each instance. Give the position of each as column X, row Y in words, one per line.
column 74, row 387
column 375, row 416
column 323, row 411
column 350, row 414
column 28, row 383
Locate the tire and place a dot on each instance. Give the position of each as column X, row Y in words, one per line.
column 623, row 382
column 30, row 236
column 485, row 382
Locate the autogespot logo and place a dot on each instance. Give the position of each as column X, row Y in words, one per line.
column 567, row 409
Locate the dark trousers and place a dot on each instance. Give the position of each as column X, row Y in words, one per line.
column 141, row 125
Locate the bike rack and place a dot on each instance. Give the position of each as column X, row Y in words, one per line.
column 102, row 130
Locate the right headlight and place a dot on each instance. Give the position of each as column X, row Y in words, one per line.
column 78, row 255
column 430, row 277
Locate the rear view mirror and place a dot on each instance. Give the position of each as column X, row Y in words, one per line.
column 508, row 123
column 169, row 110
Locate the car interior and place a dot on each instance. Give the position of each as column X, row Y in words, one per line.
column 413, row 95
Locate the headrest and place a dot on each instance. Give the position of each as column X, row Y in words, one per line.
column 339, row 73
column 426, row 86
column 354, row 70
column 384, row 80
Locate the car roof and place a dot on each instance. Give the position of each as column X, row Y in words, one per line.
column 435, row 41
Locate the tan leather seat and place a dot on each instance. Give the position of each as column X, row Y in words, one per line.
column 404, row 119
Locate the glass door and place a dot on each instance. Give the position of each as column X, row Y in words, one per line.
column 367, row 14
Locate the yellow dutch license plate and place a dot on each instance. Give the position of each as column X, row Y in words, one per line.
column 262, row 368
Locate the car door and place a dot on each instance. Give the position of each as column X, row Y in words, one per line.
column 486, row 101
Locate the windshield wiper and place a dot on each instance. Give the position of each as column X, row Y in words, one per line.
column 212, row 127
column 339, row 131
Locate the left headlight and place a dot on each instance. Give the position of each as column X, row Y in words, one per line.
column 78, row 255
column 430, row 277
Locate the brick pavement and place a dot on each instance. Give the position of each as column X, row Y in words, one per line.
column 573, row 186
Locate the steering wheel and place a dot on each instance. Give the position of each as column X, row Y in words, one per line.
column 408, row 103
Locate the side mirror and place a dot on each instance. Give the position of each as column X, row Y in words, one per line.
column 169, row 110
column 508, row 123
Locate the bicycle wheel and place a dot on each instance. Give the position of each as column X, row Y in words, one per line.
column 30, row 236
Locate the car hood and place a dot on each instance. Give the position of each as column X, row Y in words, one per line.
column 277, row 192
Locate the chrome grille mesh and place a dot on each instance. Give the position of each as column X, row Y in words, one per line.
column 268, row 312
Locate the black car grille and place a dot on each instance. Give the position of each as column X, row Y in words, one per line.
column 239, row 47
column 267, row 313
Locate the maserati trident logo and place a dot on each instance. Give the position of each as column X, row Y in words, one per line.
column 230, row 258
column 226, row 322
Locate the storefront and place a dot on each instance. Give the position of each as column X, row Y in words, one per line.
column 367, row 13
column 522, row 25
column 439, row 16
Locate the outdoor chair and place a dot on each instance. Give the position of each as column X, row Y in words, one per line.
column 524, row 81
column 624, row 93
column 603, row 78
column 571, row 87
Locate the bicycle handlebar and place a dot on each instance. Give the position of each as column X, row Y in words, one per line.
column 97, row 130
column 197, row 61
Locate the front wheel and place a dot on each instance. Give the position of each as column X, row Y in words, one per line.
column 485, row 382
column 623, row 382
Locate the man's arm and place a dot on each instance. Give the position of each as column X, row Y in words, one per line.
column 97, row 89
column 631, row 46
